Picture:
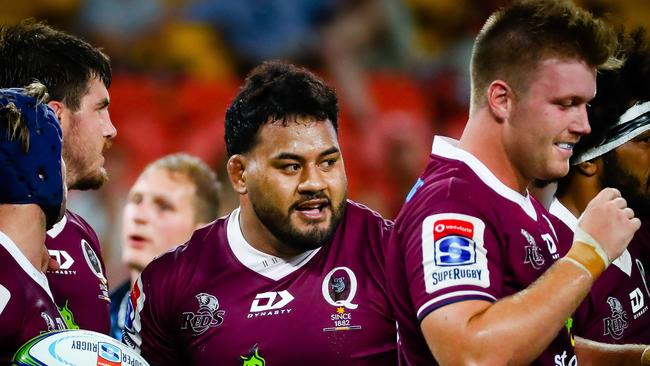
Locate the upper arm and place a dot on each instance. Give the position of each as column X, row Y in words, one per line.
column 451, row 256
column 146, row 323
column 446, row 328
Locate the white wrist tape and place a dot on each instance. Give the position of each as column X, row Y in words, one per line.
column 584, row 237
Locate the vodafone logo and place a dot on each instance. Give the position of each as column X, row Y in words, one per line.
column 453, row 227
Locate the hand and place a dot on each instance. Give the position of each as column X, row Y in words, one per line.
column 610, row 222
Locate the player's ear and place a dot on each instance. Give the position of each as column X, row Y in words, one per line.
column 499, row 99
column 590, row 168
column 236, row 168
column 58, row 109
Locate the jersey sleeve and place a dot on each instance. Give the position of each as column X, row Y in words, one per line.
column 145, row 326
column 10, row 318
column 451, row 253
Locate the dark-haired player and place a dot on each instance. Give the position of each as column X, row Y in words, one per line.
column 76, row 75
column 616, row 154
column 294, row 275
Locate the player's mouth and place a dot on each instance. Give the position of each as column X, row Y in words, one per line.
column 313, row 209
column 137, row 241
column 566, row 148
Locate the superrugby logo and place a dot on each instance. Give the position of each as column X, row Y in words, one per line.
column 534, row 255
column 454, row 245
column 616, row 324
column 108, row 355
column 208, row 315
column 270, row 303
column 453, row 251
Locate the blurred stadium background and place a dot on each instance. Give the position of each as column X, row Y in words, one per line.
column 400, row 68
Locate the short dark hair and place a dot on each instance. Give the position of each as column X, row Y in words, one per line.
column 207, row 188
column 618, row 90
column 32, row 51
column 516, row 38
column 276, row 91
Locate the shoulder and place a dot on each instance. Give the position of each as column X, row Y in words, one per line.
column 74, row 225
column 358, row 212
column 446, row 180
column 185, row 259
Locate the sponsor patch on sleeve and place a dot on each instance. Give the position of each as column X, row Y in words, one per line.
column 453, row 252
column 132, row 324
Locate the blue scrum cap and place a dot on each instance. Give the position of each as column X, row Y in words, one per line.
column 635, row 121
column 31, row 173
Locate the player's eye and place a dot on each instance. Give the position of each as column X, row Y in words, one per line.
column 328, row 163
column 291, row 168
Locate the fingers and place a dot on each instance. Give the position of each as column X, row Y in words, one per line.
column 609, row 194
column 628, row 212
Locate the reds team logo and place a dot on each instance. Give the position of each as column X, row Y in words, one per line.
column 616, row 324
column 534, row 255
column 206, row 317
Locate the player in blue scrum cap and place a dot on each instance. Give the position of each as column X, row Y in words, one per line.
column 31, row 152
column 32, row 198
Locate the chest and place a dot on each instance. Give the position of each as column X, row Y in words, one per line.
column 323, row 314
column 529, row 248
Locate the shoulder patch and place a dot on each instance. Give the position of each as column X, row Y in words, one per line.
column 453, row 252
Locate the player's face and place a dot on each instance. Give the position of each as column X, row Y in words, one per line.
column 296, row 183
column 87, row 133
column 159, row 215
column 627, row 168
column 549, row 118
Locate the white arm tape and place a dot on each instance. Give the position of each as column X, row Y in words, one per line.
column 584, row 237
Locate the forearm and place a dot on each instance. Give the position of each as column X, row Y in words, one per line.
column 596, row 353
column 520, row 326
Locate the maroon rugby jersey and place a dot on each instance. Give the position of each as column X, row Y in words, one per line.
column 616, row 309
column 26, row 305
column 464, row 235
column 218, row 301
column 79, row 287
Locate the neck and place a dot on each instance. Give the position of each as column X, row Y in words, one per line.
column 483, row 139
column 579, row 191
column 30, row 239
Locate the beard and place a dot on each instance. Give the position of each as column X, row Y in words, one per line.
column 279, row 223
column 632, row 189
column 80, row 172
